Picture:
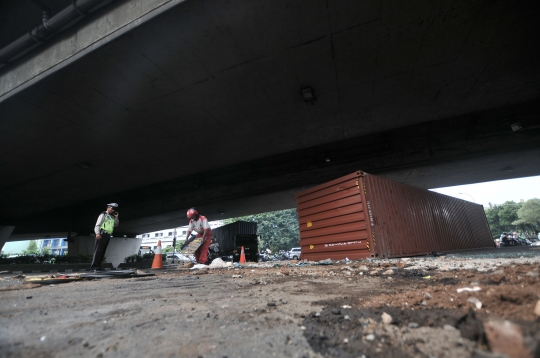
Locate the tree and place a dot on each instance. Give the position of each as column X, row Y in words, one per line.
column 508, row 213
column 501, row 218
column 492, row 216
column 31, row 249
column 529, row 214
column 278, row 229
column 168, row 249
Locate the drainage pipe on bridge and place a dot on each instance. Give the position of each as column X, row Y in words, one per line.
column 43, row 32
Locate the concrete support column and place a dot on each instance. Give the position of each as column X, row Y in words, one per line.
column 5, row 232
column 119, row 248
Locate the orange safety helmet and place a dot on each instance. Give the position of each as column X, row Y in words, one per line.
column 191, row 213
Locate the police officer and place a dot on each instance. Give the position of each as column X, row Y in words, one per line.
column 105, row 225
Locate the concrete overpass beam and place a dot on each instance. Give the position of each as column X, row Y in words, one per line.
column 5, row 232
column 102, row 27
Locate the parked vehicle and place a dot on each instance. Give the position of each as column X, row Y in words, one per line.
column 263, row 257
column 507, row 240
column 214, row 252
column 295, row 253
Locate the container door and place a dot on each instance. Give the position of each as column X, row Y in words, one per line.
column 333, row 222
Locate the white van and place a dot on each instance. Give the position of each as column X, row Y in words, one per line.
column 295, row 252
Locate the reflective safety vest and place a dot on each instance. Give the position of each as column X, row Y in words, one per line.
column 108, row 224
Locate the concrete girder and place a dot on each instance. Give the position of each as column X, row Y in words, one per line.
column 102, row 28
column 210, row 93
column 466, row 150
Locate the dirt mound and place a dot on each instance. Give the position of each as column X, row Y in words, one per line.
column 342, row 331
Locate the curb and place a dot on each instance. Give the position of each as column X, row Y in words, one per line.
column 48, row 268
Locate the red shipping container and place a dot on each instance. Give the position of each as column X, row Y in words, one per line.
column 362, row 215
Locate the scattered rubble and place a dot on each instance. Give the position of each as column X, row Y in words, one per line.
column 432, row 306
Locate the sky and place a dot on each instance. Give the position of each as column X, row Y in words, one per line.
column 15, row 247
column 496, row 192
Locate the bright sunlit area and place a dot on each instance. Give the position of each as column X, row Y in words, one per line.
column 496, row 192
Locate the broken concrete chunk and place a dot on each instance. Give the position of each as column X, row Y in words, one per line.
column 386, row 318
column 469, row 289
column 475, row 302
column 370, row 337
column 505, row 337
column 326, row 262
column 537, row 308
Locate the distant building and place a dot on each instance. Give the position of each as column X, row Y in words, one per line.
column 150, row 240
column 57, row 246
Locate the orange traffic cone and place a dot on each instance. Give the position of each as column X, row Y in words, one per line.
column 158, row 260
column 242, row 256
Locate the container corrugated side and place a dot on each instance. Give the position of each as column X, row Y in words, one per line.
column 332, row 221
column 413, row 221
column 361, row 215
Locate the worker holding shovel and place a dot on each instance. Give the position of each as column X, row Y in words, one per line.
column 200, row 225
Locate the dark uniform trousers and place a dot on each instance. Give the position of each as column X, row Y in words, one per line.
column 99, row 249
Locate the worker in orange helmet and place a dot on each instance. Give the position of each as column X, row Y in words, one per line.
column 200, row 225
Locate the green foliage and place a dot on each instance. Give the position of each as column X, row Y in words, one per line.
column 74, row 259
column 31, row 249
column 46, row 259
column 501, row 217
column 508, row 213
column 529, row 214
column 492, row 216
column 149, row 257
column 45, row 250
column 170, row 248
column 278, row 229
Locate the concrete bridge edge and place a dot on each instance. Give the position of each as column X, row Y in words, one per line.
column 5, row 233
column 65, row 50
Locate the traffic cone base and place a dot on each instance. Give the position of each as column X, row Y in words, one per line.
column 242, row 256
column 158, row 260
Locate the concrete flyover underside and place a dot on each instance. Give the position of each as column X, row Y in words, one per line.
column 202, row 105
